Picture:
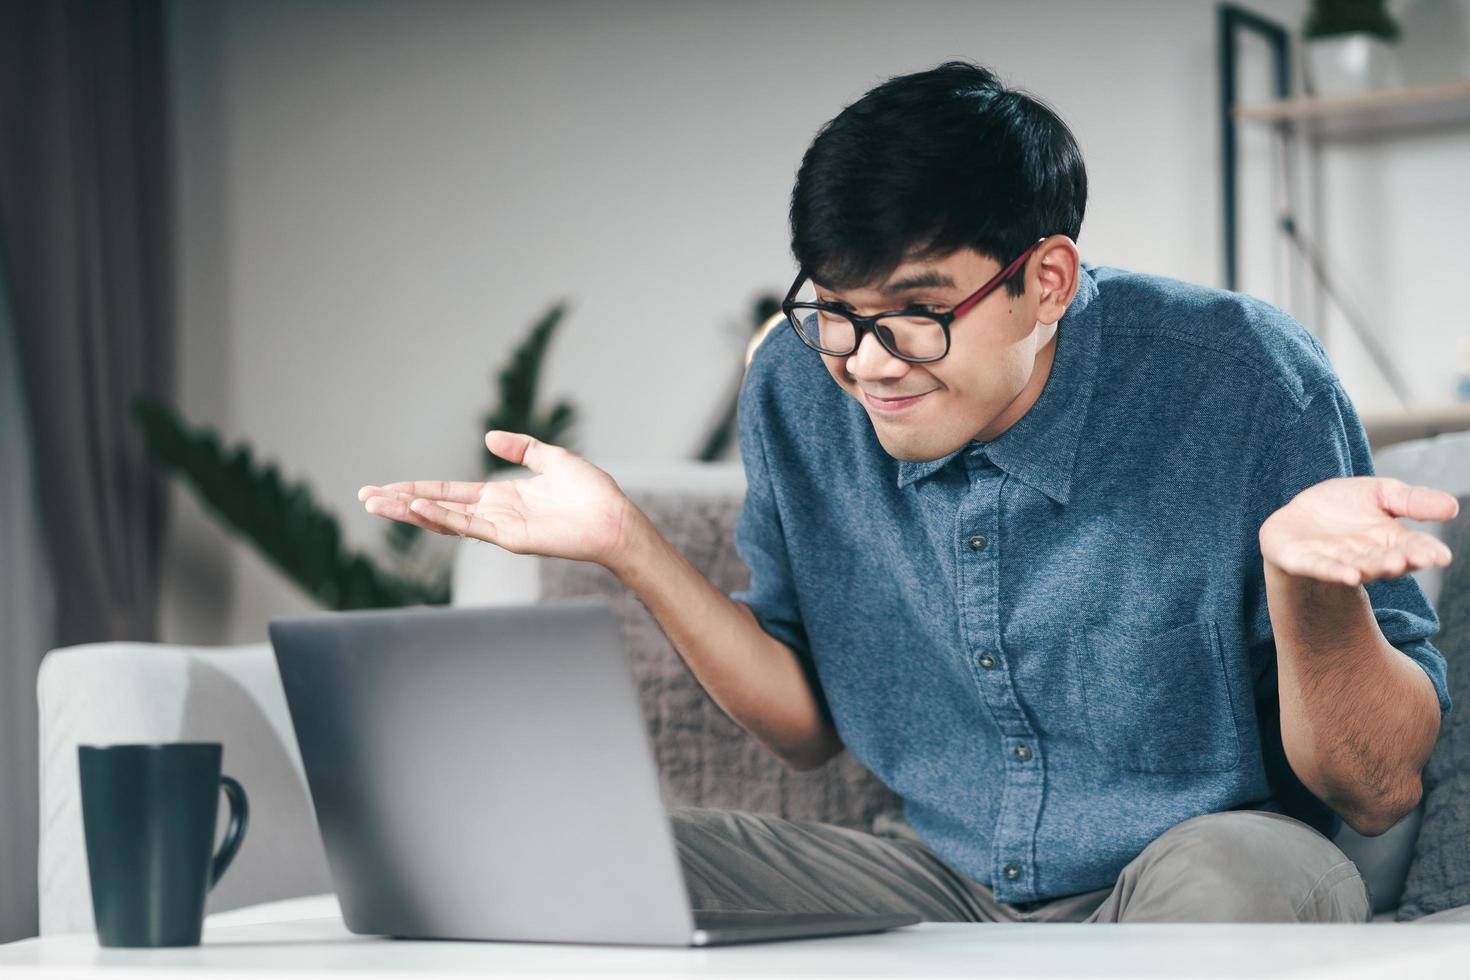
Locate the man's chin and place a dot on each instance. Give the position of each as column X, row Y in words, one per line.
column 913, row 450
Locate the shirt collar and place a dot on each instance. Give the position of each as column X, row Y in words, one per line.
column 1040, row 449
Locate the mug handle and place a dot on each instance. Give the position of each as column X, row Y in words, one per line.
column 235, row 833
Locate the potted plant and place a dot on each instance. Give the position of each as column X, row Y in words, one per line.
column 302, row 538
column 1348, row 46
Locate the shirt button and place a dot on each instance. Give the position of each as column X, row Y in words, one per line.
column 977, row 542
column 987, row 661
column 1011, row 871
column 1023, row 752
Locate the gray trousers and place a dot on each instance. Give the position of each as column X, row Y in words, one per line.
column 1237, row 866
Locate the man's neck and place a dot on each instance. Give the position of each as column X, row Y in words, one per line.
column 1029, row 395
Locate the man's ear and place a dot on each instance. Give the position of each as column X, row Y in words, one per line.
column 1056, row 268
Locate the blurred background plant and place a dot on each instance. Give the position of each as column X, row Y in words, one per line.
column 280, row 519
column 283, row 521
column 518, row 382
column 1332, row 18
column 720, row 441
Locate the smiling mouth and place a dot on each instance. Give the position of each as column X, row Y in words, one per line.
column 892, row 406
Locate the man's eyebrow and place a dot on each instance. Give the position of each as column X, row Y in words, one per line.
column 921, row 279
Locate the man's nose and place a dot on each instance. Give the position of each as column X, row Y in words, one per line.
column 872, row 361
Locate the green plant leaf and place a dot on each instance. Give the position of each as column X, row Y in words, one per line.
column 1329, row 18
column 280, row 519
column 518, row 382
column 723, row 433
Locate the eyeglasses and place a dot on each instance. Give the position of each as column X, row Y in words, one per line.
column 916, row 335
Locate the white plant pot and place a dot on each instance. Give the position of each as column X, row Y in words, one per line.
column 1349, row 64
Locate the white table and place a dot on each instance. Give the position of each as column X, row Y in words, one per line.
column 305, row 938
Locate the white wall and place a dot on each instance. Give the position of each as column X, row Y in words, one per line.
column 377, row 198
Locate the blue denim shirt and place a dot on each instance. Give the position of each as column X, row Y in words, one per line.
column 1055, row 646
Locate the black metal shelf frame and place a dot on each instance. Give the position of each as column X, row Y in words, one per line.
column 1232, row 21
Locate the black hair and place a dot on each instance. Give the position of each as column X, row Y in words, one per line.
column 929, row 163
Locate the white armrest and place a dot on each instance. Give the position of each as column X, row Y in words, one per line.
column 108, row 693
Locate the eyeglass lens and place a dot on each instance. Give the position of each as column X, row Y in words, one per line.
column 907, row 335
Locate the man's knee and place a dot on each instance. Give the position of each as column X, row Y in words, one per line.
column 721, row 869
column 696, row 826
column 686, row 817
column 1243, row 866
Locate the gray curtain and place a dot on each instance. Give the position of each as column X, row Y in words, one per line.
column 85, row 253
column 25, row 632
column 85, row 242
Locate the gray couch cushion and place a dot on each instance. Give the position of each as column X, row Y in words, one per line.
column 1439, row 875
column 704, row 758
column 1442, row 461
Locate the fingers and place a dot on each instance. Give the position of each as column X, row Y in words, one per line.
column 431, row 516
column 1418, row 503
column 1386, row 563
column 509, row 446
column 447, row 521
column 1424, row 550
column 1373, row 560
column 1414, row 550
column 460, row 492
column 366, row 494
column 1335, row 561
column 397, row 510
column 1357, row 561
column 521, row 449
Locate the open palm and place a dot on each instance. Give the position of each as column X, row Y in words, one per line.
column 1346, row 530
column 567, row 509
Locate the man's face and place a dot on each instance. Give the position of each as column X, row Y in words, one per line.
column 998, row 361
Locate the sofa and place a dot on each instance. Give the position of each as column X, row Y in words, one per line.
column 135, row 692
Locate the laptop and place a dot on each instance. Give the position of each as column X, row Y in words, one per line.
column 485, row 773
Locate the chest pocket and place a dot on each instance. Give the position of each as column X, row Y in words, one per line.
column 1160, row 703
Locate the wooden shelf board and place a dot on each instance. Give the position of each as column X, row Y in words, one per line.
column 1438, row 103
column 1385, row 428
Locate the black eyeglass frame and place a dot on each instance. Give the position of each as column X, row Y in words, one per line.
column 863, row 324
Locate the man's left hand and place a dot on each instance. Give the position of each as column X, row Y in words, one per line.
column 1346, row 530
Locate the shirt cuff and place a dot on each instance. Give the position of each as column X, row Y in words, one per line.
column 1423, row 653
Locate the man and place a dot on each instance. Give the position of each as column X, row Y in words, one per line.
column 1088, row 566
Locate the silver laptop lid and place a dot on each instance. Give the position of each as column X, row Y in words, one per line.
column 483, row 773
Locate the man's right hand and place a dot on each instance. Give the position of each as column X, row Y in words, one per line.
column 568, row 508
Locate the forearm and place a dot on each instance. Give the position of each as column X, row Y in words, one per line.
column 756, row 679
column 1358, row 717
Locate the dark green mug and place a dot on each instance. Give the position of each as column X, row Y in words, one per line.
column 149, row 814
